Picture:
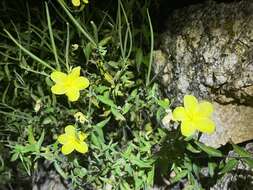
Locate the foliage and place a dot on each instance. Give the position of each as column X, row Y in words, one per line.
column 120, row 111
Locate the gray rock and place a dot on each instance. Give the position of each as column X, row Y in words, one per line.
column 50, row 182
column 207, row 51
column 46, row 179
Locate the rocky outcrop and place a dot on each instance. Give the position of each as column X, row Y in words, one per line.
column 207, row 51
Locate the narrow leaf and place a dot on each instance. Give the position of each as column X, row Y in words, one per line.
column 103, row 123
column 106, row 101
column 241, row 151
column 179, row 176
column 229, row 166
column 117, row 114
column 59, row 170
column 209, row 150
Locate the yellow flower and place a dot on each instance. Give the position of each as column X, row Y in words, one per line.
column 194, row 116
column 69, row 84
column 73, row 140
column 77, row 3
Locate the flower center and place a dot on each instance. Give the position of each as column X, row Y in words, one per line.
column 69, row 82
column 191, row 116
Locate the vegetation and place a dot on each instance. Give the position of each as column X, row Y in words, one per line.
column 107, row 109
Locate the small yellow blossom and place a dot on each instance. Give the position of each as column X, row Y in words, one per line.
column 80, row 117
column 69, row 84
column 77, row 3
column 73, row 140
column 194, row 116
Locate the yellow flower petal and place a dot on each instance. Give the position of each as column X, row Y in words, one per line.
column 82, row 136
column 190, row 104
column 179, row 114
column 187, row 128
column 81, row 83
column 205, row 125
column 58, row 89
column 205, row 109
column 67, row 148
column 73, row 95
column 72, row 141
column 75, row 73
column 86, row 1
column 63, row 138
column 58, row 76
column 76, row 3
column 70, row 130
column 81, row 147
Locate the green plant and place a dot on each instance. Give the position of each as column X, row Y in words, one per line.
column 117, row 106
column 120, row 110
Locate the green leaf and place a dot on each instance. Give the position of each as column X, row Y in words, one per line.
column 104, row 41
column 48, row 81
column 106, row 101
column 209, row 150
column 94, row 101
column 48, row 156
column 249, row 161
column 160, row 114
column 14, row 157
column 101, row 124
column 59, row 170
column 47, row 121
column 117, row 114
column 40, row 141
column 192, row 149
column 126, row 108
column 128, row 151
column 150, row 177
column 26, row 163
column 139, row 57
column 195, row 169
column 140, row 163
column 113, row 64
column 87, row 50
column 80, row 172
column 95, row 140
column 211, row 168
column 229, row 166
column 124, row 186
column 179, row 176
column 101, row 89
column 100, row 133
column 165, row 103
column 241, row 151
column 133, row 94
column 137, row 180
column 247, row 157
column 31, row 138
column 29, row 148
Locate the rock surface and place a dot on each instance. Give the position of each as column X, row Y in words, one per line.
column 207, row 51
column 45, row 178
